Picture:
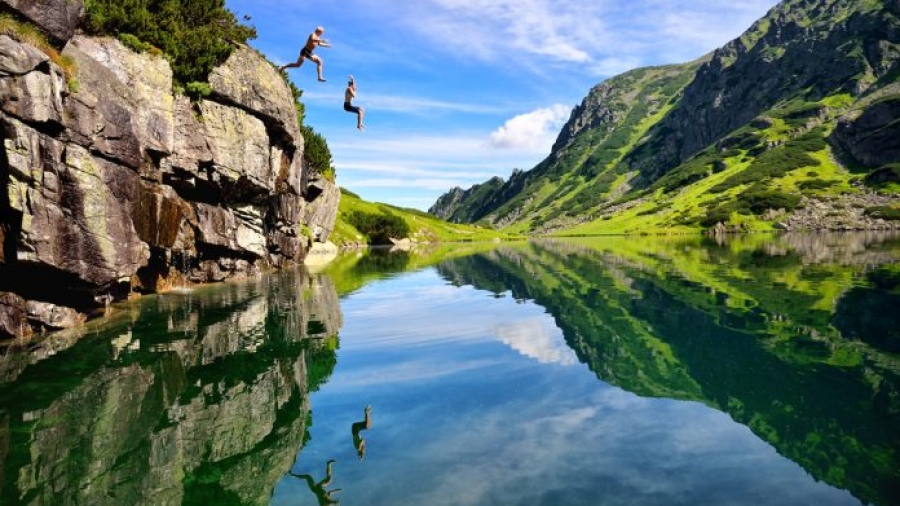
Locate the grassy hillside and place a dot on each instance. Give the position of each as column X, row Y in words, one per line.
column 418, row 226
column 796, row 124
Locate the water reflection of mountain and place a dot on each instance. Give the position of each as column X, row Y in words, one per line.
column 765, row 331
column 181, row 399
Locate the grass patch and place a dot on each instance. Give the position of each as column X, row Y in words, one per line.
column 26, row 33
column 422, row 226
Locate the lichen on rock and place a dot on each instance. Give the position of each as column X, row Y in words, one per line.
column 125, row 186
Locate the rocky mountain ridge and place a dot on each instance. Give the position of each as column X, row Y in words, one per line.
column 114, row 185
column 803, row 104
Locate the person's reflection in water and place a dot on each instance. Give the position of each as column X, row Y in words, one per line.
column 358, row 442
column 324, row 496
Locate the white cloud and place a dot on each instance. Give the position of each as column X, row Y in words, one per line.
column 534, row 130
column 593, row 33
column 489, row 29
column 537, row 338
column 404, row 104
column 420, row 183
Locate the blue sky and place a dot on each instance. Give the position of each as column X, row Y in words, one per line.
column 459, row 91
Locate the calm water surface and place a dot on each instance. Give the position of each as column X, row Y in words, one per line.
column 601, row 371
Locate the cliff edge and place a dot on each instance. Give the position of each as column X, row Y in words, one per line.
column 114, row 185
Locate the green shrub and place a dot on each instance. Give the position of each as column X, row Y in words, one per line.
column 759, row 200
column 653, row 210
column 798, row 112
column 379, row 228
column 884, row 212
column 889, row 174
column 779, row 161
column 197, row 90
column 195, row 35
column 316, row 151
column 816, row 184
column 755, row 200
column 719, row 214
column 742, row 139
column 134, row 43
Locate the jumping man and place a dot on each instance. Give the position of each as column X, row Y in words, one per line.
column 315, row 39
column 349, row 95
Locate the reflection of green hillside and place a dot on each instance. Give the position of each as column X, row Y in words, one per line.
column 596, row 323
column 199, row 398
column 353, row 270
column 744, row 326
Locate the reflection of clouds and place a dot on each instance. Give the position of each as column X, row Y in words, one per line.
column 610, row 448
column 465, row 316
column 461, row 420
column 410, row 371
column 537, row 338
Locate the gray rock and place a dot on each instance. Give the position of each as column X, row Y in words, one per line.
column 12, row 316
column 31, row 88
column 250, row 82
column 289, row 170
column 53, row 317
column 124, row 107
column 216, row 226
column 111, row 185
column 190, row 150
column 75, row 210
column 18, row 59
column 58, row 18
column 872, row 136
column 321, row 213
column 162, row 219
column 238, row 230
column 240, row 147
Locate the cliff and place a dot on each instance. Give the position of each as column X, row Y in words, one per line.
column 114, row 185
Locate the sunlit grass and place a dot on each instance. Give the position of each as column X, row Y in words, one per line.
column 29, row 34
column 423, row 227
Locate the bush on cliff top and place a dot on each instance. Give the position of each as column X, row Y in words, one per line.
column 316, row 152
column 195, row 35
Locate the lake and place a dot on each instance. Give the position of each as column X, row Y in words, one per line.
column 595, row 371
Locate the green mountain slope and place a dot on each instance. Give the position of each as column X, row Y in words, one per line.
column 361, row 222
column 800, row 112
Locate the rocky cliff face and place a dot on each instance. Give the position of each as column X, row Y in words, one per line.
column 488, row 195
column 802, row 48
column 113, row 185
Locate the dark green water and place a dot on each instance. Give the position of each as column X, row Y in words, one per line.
column 602, row 371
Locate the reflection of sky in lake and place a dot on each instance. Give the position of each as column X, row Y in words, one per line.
column 475, row 400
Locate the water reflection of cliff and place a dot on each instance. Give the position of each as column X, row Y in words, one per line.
column 767, row 331
column 180, row 399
